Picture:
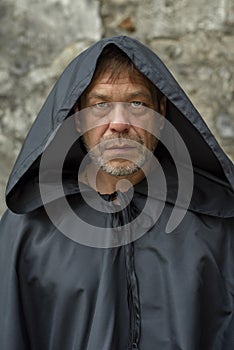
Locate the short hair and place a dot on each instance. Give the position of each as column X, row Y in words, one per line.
column 114, row 61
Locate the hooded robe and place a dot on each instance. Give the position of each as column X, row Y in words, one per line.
column 158, row 290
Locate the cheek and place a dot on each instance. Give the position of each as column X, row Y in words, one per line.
column 89, row 139
column 93, row 136
column 149, row 140
column 152, row 142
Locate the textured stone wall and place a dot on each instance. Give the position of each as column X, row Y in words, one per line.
column 38, row 39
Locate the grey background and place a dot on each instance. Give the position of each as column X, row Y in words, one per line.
column 38, row 39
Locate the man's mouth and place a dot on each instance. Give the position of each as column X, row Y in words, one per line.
column 113, row 147
column 121, row 145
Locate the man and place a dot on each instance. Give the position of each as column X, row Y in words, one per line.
column 137, row 253
column 110, row 85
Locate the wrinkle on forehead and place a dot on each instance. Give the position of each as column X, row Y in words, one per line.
column 137, row 85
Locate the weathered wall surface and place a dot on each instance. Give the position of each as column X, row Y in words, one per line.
column 194, row 38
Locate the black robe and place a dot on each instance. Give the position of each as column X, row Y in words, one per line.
column 156, row 290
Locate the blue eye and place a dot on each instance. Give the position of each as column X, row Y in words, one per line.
column 101, row 105
column 136, row 104
column 101, row 109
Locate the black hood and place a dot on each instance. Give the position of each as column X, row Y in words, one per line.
column 213, row 171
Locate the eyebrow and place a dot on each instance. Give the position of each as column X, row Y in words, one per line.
column 97, row 96
column 130, row 95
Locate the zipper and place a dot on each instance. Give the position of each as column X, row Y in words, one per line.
column 122, row 218
column 133, row 295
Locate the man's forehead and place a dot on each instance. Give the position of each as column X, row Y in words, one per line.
column 106, row 81
column 124, row 75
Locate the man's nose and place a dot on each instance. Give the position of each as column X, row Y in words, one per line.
column 119, row 119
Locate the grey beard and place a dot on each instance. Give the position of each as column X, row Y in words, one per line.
column 126, row 170
column 121, row 170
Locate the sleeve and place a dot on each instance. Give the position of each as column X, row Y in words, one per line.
column 229, row 335
column 229, row 277
column 13, row 334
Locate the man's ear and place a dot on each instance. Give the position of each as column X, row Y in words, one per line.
column 162, row 113
column 163, row 106
column 77, row 119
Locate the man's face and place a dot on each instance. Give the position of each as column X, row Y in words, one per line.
column 116, row 145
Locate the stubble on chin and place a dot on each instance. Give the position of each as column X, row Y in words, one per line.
column 126, row 166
